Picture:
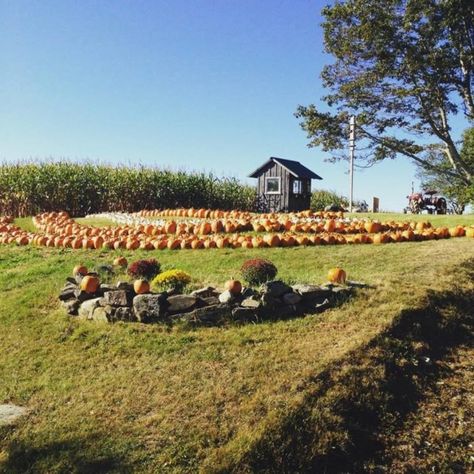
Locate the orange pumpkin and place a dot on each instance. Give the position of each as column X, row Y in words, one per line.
column 233, row 286
column 337, row 275
column 80, row 269
column 90, row 284
column 120, row 262
column 141, row 286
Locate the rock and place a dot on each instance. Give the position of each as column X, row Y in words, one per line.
column 269, row 301
column 82, row 296
column 71, row 280
column 209, row 315
column 320, row 307
column 358, row 284
column 342, row 291
column 244, row 314
column 276, row 288
column 250, row 303
column 209, row 301
column 278, row 310
column 150, row 307
column 87, row 308
column 106, row 287
column 206, row 292
column 68, row 293
column 226, row 297
column 71, row 306
column 292, row 298
column 9, row 414
column 181, row 304
column 124, row 314
column 78, row 278
column 117, row 298
column 248, row 292
column 124, row 285
column 100, row 314
column 311, row 291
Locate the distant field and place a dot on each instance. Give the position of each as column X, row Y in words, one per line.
column 143, row 398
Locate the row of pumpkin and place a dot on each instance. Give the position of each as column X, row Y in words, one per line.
column 54, row 223
column 59, row 230
column 219, row 214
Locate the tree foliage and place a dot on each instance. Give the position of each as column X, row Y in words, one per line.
column 457, row 193
column 404, row 68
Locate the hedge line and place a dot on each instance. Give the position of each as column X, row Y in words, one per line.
column 29, row 188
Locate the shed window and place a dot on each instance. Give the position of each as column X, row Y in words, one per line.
column 297, row 186
column 272, row 185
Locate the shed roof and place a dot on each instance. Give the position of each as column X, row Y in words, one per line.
column 293, row 167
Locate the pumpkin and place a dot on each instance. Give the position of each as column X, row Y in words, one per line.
column 233, row 286
column 89, row 284
column 120, row 262
column 141, row 286
column 337, row 275
column 470, row 232
column 80, row 269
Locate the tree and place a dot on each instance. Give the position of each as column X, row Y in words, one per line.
column 457, row 193
column 404, row 68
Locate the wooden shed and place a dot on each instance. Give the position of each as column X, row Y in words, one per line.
column 283, row 185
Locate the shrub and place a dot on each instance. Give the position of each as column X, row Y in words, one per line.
column 146, row 269
column 172, row 280
column 322, row 198
column 258, row 270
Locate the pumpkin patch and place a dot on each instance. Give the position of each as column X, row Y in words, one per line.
column 177, row 229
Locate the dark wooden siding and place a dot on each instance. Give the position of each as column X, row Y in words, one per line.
column 275, row 170
column 287, row 200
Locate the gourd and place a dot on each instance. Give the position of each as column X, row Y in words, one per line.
column 337, row 275
column 233, row 286
column 141, row 286
column 80, row 269
column 90, row 284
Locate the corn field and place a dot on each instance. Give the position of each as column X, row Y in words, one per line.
column 80, row 189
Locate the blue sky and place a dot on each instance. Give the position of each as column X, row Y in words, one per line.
column 184, row 84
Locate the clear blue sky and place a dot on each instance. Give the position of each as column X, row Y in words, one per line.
column 196, row 85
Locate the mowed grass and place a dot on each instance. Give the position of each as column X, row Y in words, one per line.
column 148, row 398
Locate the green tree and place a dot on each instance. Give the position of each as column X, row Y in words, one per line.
column 458, row 194
column 404, row 68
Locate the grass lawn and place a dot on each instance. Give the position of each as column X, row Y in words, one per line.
column 146, row 398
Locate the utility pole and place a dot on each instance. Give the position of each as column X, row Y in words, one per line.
column 352, row 137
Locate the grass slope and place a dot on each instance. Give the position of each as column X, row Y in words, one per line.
column 152, row 399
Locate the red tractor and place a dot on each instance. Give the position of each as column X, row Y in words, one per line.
column 427, row 201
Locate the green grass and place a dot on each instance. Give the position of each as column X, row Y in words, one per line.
column 154, row 399
column 447, row 220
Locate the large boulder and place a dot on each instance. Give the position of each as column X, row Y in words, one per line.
column 226, row 297
column 251, row 302
column 150, row 307
column 209, row 315
column 312, row 293
column 291, row 298
column 206, row 292
column 276, row 288
column 181, row 304
column 87, row 308
column 118, row 298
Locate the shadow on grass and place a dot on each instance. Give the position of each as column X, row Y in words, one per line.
column 74, row 456
column 338, row 426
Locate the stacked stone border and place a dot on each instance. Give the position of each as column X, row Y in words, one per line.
column 204, row 307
